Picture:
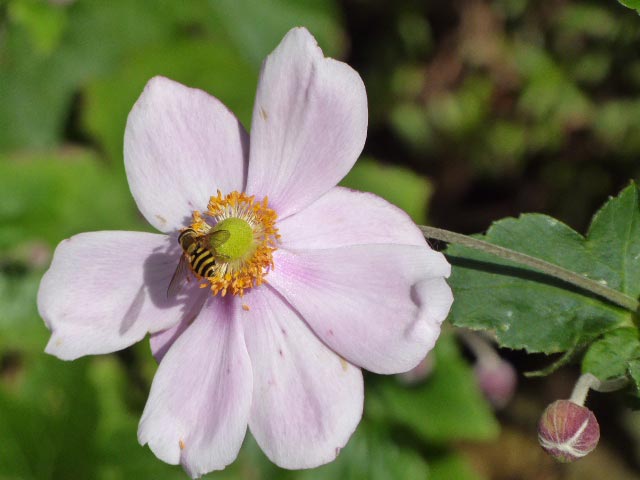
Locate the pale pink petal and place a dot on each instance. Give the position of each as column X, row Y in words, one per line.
column 347, row 217
column 199, row 404
column 160, row 342
column 180, row 146
column 105, row 290
column 378, row 306
column 309, row 124
column 307, row 401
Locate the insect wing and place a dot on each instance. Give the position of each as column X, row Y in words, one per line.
column 221, row 257
column 216, row 238
column 180, row 277
column 213, row 240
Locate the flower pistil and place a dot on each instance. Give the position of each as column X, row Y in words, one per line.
column 246, row 256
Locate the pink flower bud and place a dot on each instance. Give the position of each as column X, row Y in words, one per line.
column 568, row 431
column 497, row 379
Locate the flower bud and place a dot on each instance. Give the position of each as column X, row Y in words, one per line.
column 497, row 379
column 568, row 431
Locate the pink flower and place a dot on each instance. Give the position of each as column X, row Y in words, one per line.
column 311, row 283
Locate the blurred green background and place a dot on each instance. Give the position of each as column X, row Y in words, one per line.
column 479, row 109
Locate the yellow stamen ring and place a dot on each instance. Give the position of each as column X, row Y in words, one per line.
column 247, row 256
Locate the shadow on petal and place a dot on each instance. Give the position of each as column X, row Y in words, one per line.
column 133, row 313
column 159, row 268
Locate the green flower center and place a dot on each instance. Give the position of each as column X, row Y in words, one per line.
column 240, row 242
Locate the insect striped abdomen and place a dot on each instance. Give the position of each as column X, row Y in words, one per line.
column 200, row 259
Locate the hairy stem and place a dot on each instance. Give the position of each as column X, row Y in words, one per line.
column 614, row 296
column 582, row 387
column 588, row 381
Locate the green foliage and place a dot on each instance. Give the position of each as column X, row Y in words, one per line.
column 635, row 4
column 53, row 196
column 634, row 374
column 610, row 356
column 47, row 419
column 371, row 454
column 255, row 26
column 448, row 406
column 20, row 325
column 397, row 185
column 529, row 310
column 52, row 50
column 617, row 125
column 70, row 420
column 115, row 434
column 449, row 466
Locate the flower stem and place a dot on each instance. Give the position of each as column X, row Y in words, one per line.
column 582, row 387
column 588, row 381
column 614, row 296
column 479, row 346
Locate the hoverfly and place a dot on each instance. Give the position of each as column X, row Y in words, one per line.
column 199, row 255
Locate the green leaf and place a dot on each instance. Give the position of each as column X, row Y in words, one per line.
column 20, row 324
column 411, row 123
column 564, row 359
column 450, row 466
column 398, row 185
column 43, row 21
column 615, row 126
column 614, row 240
column 53, row 196
column 635, row 4
column 609, row 357
column 52, row 50
column 257, row 26
column 47, row 421
column 462, row 113
column 549, row 95
column 634, row 373
column 591, row 20
column 448, row 406
column 370, row 454
column 530, row 310
column 120, row 454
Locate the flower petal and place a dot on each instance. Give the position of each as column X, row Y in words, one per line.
column 200, row 399
column 307, row 400
column 180, row 146
column 105, row 290
column 378, row 306
column 309, row 124
column 348, row 217
column 160, row 342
